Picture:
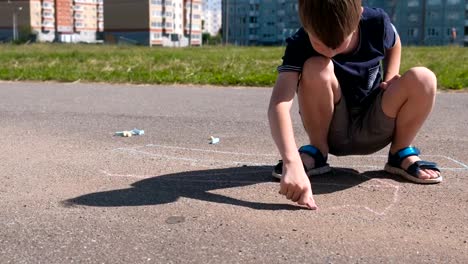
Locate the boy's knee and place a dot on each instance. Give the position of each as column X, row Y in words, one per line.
column 424, row 79
column 318, row 68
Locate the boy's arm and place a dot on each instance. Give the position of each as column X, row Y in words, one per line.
column 392, row 60
column 280, row 118
column 295, row 184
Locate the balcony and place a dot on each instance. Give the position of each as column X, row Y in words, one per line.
column 64, row 29
column 48, row 24
column 78, row 8
column 48, row 6
column 48, row 15
column 253, row 37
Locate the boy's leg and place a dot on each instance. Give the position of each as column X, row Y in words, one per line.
column 409, row 99
column 318, row 93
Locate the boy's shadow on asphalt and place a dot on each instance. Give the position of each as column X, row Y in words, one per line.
column 198, row 184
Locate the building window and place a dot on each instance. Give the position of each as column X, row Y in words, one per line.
column 453, row 16
column 156, row 24
column 453, row 2
column 157, row 13
column 413, row 3
column 433, row 15
column 412, row 32
column 432, row 32
column 434, row 2
column 413, row 18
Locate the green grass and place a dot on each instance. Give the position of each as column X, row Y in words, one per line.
column 245, row 66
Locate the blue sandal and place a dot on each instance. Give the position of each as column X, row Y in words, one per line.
column 321, row 165
column 411, row 173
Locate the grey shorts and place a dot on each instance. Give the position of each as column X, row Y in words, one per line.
column 357, row 131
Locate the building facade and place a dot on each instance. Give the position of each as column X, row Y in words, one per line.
column 419, row 22
column 211, row 17
column 153, row 22
column 52, row 20
column 427, row 22
column 259, row 22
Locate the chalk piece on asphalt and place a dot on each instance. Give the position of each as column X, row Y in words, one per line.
column 214, row 140
column 123, row 133
column 138, row 132
column 126, row 133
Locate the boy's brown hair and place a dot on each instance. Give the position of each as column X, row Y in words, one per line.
column 331, row 21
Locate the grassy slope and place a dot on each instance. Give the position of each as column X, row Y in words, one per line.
column 248, row 66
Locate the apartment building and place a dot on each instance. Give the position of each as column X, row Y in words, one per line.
column 419, row 22
column 173, row 23
column 211, row 17
column 427, row 22
column 259, row 22
column 52, row 20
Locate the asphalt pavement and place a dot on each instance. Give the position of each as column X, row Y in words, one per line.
column 73, row 192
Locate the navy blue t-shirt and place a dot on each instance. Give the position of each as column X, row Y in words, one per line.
column 359, row 73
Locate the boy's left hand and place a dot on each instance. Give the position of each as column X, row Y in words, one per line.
column 385, row 85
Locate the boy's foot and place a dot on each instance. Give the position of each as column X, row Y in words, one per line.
column 406, row 163
column 312, row 159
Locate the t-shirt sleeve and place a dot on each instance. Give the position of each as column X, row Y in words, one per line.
column 390, row 32
column 295, row 53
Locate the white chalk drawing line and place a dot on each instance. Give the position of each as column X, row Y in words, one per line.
column 386, row 209
column 205, row 150
column 464, row 166
column 458, row 162
column 187, row 179
column 191, row 175
column 202, row 161
column 198, row 161
column 383, row 185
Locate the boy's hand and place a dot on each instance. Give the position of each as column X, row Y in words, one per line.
column 295, row 185
column 385, row 85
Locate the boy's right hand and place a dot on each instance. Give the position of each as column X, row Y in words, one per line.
column 295, row 185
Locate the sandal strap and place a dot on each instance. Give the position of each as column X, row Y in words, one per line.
column 414, row 168
column 396, row 159
column 310, row 150
column 315, row 153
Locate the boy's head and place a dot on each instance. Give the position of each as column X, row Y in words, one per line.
column 330, row 21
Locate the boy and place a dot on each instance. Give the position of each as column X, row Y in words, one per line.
column 347, row 102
